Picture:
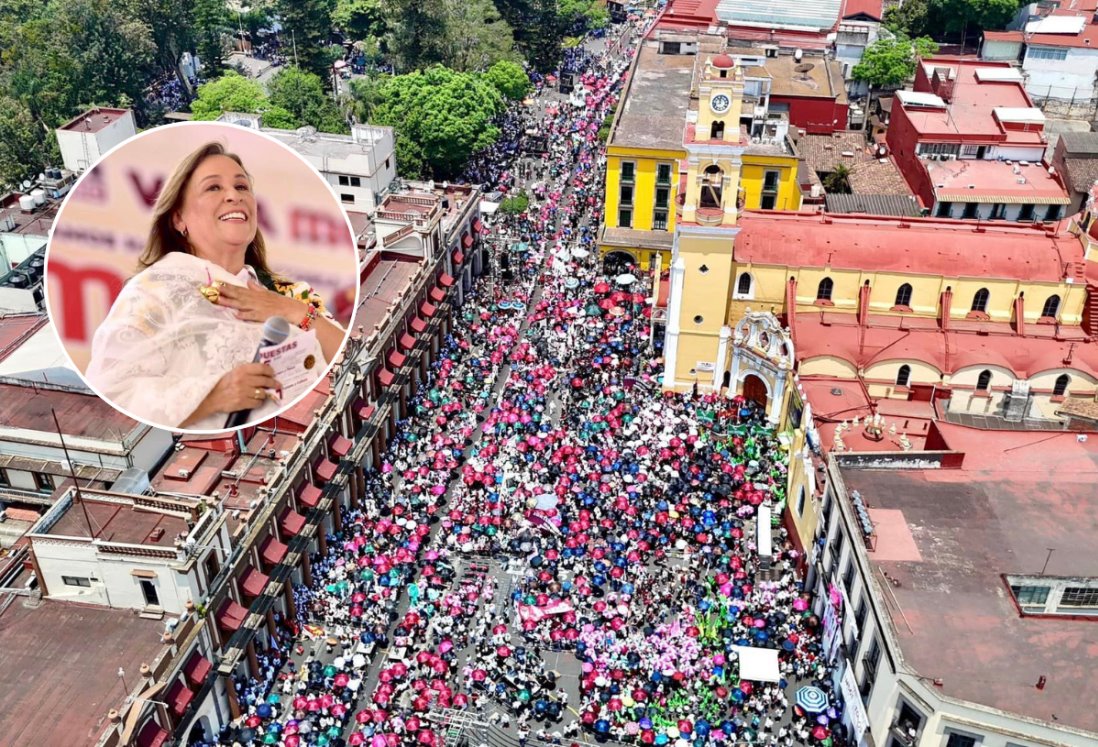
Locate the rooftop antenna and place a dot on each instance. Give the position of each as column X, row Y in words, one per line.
column 72, row 473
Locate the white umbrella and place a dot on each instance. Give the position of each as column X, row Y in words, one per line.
column 579, row 253
column 546, row 501
column 626, row 279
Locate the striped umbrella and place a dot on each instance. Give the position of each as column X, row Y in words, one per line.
column 812, row 699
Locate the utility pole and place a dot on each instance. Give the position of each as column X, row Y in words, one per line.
column 293, row 39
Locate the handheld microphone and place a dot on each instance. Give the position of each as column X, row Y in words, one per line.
column 275, row 331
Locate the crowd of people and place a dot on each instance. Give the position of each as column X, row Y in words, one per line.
column 540, row 445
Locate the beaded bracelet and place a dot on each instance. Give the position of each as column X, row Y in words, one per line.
column 307, row 322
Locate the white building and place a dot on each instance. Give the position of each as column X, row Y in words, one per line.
column 1058, row 53
column 148, row 553
column 950, row 622
column 360, row 166
column 84, row 139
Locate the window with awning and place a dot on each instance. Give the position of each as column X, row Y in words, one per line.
column 396, row 359
column 309, row 495
column 253, row 582
column 445, row 280
column 419, row 326
column 466, row 241
column 437, row 294
column 291, row 523
column 385, row 377
column 458, row 258
column 406, row 341
column 152, row 734
column 230, row 616
column 272, row 551
column 179, row 697
column 325, row 469
column 427, row 309
column 477, row 225
column 197, row 669
column 366, row 411
column 340, row 446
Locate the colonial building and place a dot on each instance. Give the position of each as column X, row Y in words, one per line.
column 664, row 116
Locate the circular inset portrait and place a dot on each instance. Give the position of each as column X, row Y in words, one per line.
column 202, row 277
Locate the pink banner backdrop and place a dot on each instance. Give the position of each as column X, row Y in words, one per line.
column 102, row 227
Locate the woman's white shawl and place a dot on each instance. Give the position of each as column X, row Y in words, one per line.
column 163, row 346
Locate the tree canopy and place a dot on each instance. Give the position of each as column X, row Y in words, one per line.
column 509, row 79
column 306, row 25
column 232, row 92
column 441, row 118
column 360, row 19
column 889, row 62
column 957, row 19
column 302, row 95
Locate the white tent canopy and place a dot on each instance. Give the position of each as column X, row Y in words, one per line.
column 758, row 664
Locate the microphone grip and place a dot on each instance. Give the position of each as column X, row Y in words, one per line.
column 238, row 418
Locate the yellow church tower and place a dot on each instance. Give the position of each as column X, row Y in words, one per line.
column 697, row 338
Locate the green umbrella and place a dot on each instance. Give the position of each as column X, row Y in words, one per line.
column 270, row 738
column 330, row 671
column 333, row 732
column 593, row 310
column 322, row 740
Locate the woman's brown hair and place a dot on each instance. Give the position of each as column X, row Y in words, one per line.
column 163, row 236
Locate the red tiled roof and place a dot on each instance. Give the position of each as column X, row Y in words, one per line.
column 916, row 246
column 871, row 8
column 83, row 415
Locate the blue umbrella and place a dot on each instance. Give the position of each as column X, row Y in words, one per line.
column 812, row 699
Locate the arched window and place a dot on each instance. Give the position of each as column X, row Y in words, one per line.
column 903, row 378
column 716, row 130
column 1061, row 386
column 712, row 186
column 1051, row 307
column 903, row 295
column 743, row 285
column 823, row 290
column 979, row 301
column 983, row 383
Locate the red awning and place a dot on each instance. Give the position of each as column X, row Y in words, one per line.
column 385, row 377
column 664, row 292
column 466, row 241
column 272, row 551
column 325, row 469
column 419, row 326
column 230, row 615
column 179, row 697
column 309, row 495
column 254, row 582
column 152, row 735
column 445, row 280
column 366, row 411
column 477, row 225
column 427, row 309
column 340, row 445
column 458, row 258
column 396, row 358
column 406, row 341
column 291, row 522
column 437, row 294
column 197, row 669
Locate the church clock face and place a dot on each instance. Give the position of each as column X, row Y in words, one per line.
column 720, row 103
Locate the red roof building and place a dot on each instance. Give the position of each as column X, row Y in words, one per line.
column 970, row 143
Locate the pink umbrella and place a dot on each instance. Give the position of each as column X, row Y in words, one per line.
column 356, row 738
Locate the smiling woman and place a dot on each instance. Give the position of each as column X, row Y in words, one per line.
column 178, row 348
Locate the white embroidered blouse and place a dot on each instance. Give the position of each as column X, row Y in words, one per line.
column 163, row 346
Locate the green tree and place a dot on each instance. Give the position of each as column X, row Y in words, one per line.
column 366, row 93
column 279, row 118
column 171, row 25
column 889, row 62
column 578, row 16
column 539, row 30
column 476, row 36
column 306, row 25
column 232, row 92
column 302, row 94
column 360, row 19
column 417, row 33
column 515, row 204
column 909, row 18
column 25, row 147
column 509, row 79
column 966, row 17
column 838, row 181
column 441, row 118
column 211, row 24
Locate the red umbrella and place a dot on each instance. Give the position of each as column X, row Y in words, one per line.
column 602, row 287
column 362, row 717
column 253, row 721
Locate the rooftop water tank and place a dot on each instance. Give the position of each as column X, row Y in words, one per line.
column 26, row 203
column 39, row 196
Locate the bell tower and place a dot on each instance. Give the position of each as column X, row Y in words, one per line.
column 695, row 346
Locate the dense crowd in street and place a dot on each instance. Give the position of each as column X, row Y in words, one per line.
column 541, row 442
